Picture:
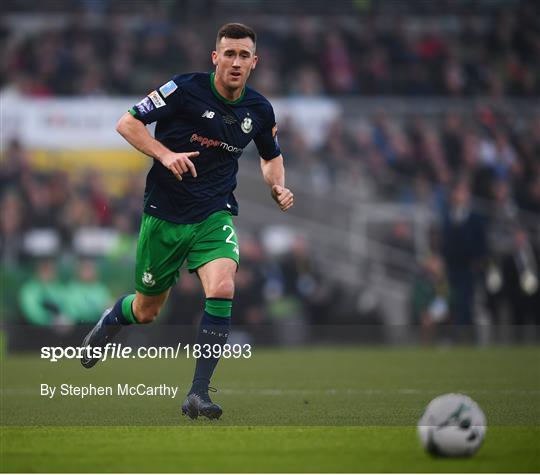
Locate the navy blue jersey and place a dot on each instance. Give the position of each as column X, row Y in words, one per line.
column 191, row 116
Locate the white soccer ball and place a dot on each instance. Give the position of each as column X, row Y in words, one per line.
column 452, row 425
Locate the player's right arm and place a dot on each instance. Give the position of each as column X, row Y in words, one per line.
column 136, row 133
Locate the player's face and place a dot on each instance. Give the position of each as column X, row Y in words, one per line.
column 234, row 59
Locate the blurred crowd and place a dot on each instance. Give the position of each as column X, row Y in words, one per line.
column 478, row 268
column 46, row 300
column 56, row 280
column 416, row 158
column 475, row 167
column 478, row 173
column 460, row 53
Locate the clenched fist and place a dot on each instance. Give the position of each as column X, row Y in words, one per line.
column 283, row 197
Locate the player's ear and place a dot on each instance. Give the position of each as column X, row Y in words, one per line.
column 255, row 59
column 214, row 58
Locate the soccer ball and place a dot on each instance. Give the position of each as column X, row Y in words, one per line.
column 452, row 425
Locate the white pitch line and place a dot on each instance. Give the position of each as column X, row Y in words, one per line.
column 368, row 391
column 330, row 391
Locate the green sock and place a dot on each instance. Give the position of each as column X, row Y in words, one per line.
column 127, row 311
column 218, row 307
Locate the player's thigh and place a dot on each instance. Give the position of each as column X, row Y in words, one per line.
column 215, row 238
column 215, row 253
column 161, row 250
column 217, row 277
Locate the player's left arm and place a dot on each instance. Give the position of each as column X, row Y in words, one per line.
column 274, row 175
column 272, row 161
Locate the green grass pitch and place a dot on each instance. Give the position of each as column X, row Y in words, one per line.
column 300, row 410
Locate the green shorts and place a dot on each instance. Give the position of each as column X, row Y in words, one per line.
column 164, row 246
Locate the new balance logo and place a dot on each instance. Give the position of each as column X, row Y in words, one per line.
column 209, row 114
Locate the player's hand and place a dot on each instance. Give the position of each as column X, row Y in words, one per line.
column 283, row 197
column 180, row 163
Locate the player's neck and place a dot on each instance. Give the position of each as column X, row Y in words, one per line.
column 226, row 95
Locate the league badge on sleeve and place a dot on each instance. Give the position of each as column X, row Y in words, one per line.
column 145, row 106
column 168, row 88
column 156, row 99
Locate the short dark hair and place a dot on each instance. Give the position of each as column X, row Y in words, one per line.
column 236, row 31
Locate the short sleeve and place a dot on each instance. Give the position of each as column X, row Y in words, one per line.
column 267, row 141
column 161, row 103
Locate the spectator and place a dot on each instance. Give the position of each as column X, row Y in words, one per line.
column 43, row 298
column 87, row 296
column 338, row 65
column 300, row 276
column 464, row 249
column 521, row 281
column 11, row 228
column 431, row 298
column 14, row 164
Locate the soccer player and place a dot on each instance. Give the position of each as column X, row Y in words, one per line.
column 203, row 123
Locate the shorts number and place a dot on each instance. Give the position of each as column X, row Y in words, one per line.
column 230, row 236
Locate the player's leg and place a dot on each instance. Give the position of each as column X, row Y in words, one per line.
column 161, row 250
column 215, row 257
column 134, row 308
column 217, row 278
column 146, row 308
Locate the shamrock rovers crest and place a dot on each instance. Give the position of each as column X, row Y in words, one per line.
column 148, row 279
column 246, row 125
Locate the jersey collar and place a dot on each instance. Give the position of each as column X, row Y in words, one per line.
column 219, row 96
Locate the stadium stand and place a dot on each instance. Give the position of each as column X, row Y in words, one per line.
column 432, row 103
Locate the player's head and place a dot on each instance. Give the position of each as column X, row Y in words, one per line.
column 234, row 56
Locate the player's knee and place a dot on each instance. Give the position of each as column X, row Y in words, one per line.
column 223, row 289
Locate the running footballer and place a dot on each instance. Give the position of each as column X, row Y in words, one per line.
column 203, row 123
